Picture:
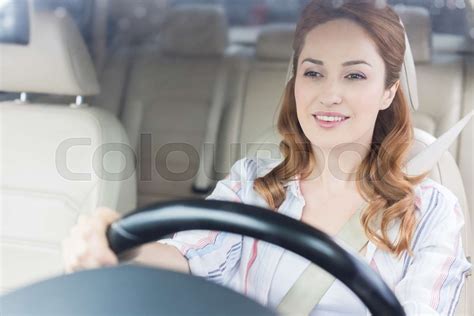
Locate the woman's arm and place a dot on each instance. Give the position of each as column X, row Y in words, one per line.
column 211, row 254
column 161, row 256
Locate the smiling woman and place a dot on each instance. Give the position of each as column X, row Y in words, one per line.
column 344, row 92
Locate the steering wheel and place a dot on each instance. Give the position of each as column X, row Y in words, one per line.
column 156, row 221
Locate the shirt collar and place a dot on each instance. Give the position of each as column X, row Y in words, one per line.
column 294, row 187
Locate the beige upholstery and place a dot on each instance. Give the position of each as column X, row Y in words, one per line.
column 254, row 113
column 177, row 81
column 61, row 63
column 43, row 196
column 441, row 99
column 57, row 162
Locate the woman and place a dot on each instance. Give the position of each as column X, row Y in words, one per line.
column 346, row 133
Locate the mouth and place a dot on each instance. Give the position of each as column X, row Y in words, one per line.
column 330, row 120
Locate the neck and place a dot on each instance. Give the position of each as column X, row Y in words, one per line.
column 336, row 168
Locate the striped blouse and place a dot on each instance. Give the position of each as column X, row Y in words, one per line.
column 429, row 283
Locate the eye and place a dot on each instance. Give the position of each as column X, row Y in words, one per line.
column 355, row 76
column 312, row 74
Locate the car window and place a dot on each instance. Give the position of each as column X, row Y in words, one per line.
column 14, row 26
column 80, row 10
column 447, row 16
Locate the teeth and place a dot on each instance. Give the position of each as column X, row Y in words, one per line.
column 330, row 118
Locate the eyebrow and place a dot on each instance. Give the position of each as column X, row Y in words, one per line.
column 347, row 63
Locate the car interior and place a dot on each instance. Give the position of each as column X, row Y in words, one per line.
column 125, row 103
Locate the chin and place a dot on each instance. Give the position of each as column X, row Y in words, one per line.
column 325, row 145
column 328, row 144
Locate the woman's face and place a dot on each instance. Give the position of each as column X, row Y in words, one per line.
column 339, row 86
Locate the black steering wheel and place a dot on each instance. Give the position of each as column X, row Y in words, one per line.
column 156, row 221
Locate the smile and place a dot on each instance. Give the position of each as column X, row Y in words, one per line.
column 330, row 121
column 330, row 118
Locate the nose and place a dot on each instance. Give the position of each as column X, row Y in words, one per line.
column 330, row 94
column 330, row 100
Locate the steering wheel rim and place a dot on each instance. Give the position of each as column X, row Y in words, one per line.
column 158, row 220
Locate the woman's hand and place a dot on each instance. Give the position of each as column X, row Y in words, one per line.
column 87, row 246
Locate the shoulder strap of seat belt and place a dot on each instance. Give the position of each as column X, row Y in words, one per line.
column 314, row 282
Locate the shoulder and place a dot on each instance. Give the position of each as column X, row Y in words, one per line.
column 439, row 212
column 432, row 196
column 250, row 168
column 238, row 185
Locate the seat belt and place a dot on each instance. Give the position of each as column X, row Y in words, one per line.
column 314, row 282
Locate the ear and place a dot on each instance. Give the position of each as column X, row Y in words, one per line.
column 388, row 95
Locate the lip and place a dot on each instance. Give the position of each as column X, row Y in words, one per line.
column 330, row 114
column 334, row 124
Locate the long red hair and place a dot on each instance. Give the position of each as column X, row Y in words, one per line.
column 383, row 183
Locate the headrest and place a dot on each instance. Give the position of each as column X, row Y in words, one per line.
column 275, row 41
column 55, row 61
column 417, row 23
column 195, row 30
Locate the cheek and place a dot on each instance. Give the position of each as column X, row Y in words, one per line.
column 303, row 102
column 364, row 101
column 304, row 95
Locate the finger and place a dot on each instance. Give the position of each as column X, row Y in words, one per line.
column 107, row 215
column 76, row 252
column 65, row 251
column 90, row 263
column 109, row 258
column 74, row 264
column 77, row 231
column 81, row 249
column 84, row 228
